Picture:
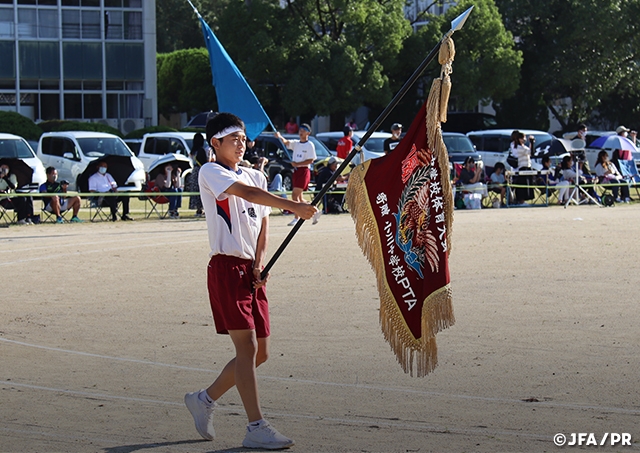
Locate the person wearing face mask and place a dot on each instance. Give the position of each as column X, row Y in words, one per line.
column 622, row 131
column 582, row 131
column 103, row 182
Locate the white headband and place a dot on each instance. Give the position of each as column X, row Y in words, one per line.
column 229, row 130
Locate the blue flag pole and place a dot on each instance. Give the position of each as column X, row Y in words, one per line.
column 232, row 90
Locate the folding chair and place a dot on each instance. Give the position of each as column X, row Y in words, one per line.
column 158, row 204
column 97, row 211
column 7, row 217
column 48, row 216
column 629, row 171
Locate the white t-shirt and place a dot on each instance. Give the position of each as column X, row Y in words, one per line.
column 101, row 183
column 234, row 223
column 302, row 151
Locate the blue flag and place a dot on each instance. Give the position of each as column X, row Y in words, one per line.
column 232, row 90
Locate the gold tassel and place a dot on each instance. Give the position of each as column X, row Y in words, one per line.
column 445, row 58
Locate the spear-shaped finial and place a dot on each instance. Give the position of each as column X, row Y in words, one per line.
column 458, row 22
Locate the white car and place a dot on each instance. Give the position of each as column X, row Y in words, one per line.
column 71, row 152
column 493, row 145
column 373, row 148
column 13, row 146
column 157, row 144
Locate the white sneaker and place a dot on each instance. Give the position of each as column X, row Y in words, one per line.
column 293, row 222
column 316, row 216
column 22, row 222
column 202, row 414
column 266, row 436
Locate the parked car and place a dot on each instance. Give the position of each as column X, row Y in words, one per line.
column 373, row 148
column 280, row 156
column 15, row 147
column 157, row 144
column 493, row 145
column 133, row 144
column 459, row 147
column 71, row 152
column 199, row 121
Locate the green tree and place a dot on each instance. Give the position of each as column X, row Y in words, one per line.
column 486, row 65
column 581, row 49
column 316, row 57
column 176, row 26
column 184, row 82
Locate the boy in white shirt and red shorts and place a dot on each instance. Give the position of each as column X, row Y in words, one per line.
column 237, row 206
column 303, row 153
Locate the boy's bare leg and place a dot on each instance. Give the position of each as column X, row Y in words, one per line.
column 55, row 206
column 296, row 194
column 250, row 353
column 75, row 205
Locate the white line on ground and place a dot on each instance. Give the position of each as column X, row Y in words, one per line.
column 549, row 404
column 86, row 252
column 349, row 421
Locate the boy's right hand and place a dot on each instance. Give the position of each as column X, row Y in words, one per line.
column 305, row 211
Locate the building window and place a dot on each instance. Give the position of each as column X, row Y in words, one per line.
column 72, row 106
column 92, row 106
column 132, row 25
column 124, row 61
column 48, row 23
column 27, row 23
column 71, row 23
column 6, row 23
column 90, row 24
column 82, row 61
column 113, row 24
column 49, row 106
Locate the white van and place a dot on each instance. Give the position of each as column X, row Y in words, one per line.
column 493, row 145
column 15, row 147
column 71, row 152
column 157, row 144
column 373, row 148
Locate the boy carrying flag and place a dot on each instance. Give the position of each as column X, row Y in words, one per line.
column 237, row 206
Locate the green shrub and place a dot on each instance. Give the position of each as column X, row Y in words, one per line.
column 138, row 133
column 14, row 123
column 65, row 125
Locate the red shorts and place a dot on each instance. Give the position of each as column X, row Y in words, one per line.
column 233, row 304
column 301, row 178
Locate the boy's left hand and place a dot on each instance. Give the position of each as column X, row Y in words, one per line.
column 258, row 282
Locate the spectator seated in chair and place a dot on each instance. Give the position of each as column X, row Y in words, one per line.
column 609, row 174
column 23, row 206
column 170, row 181
column 103, row 182
column 58, row 204
column 471, row 177
column 332, row 202
column 498, row 182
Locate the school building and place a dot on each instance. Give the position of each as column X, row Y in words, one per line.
column 88, row 60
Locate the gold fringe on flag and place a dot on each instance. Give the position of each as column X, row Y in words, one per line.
column 419, row 355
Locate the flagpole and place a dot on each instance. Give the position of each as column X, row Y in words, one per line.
column 456, row 25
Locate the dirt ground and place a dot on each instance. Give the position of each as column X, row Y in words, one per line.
column 104, row 327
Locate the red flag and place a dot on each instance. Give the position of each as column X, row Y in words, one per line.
column 402, row 205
